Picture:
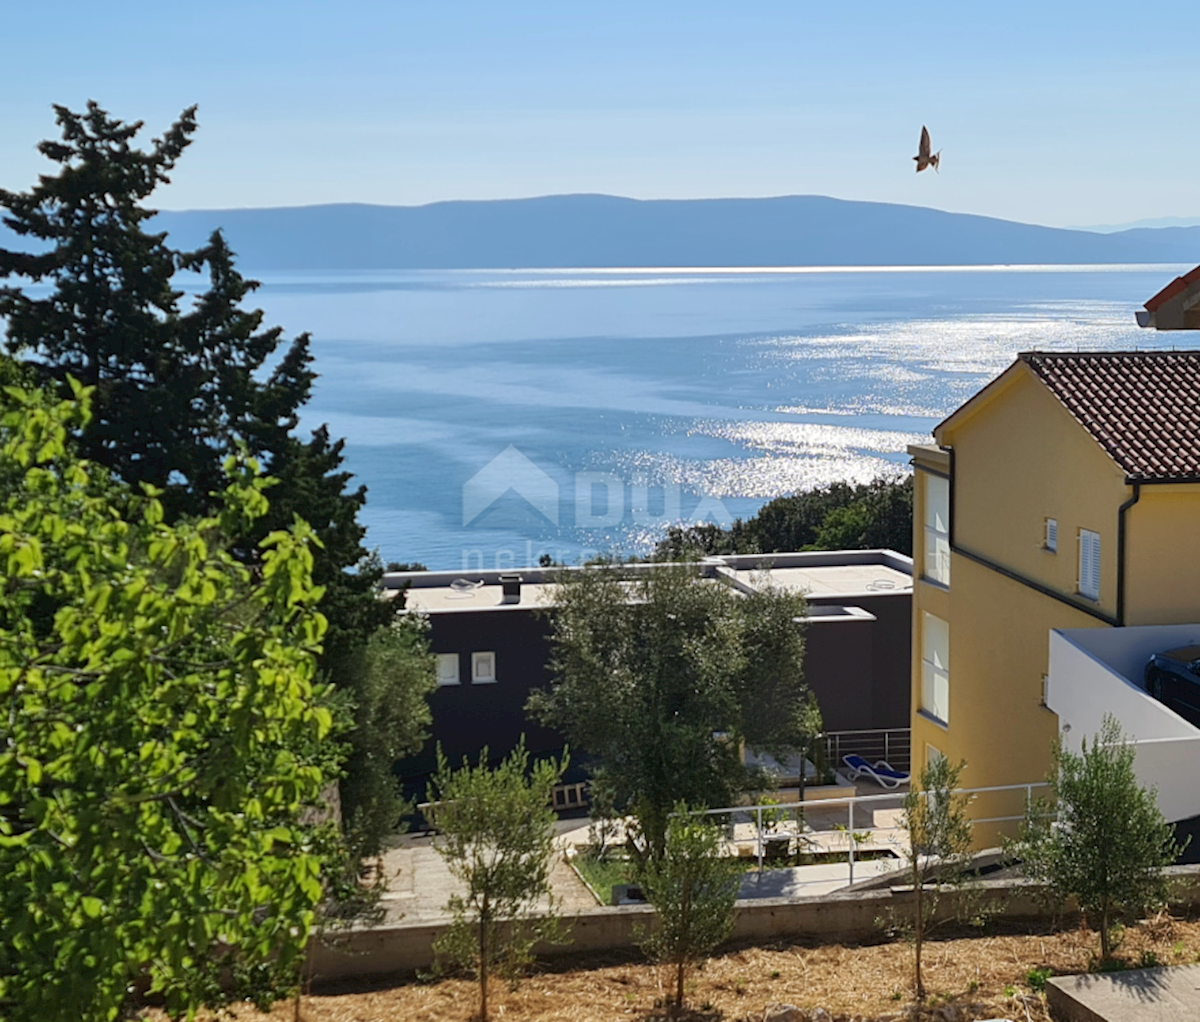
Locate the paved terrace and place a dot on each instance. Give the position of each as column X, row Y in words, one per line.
column 419, row 884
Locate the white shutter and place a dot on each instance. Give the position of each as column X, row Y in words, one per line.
column 1052, row 534
column 1089, row 564
column 937, row 529
column 935, row 667
column 1094, row 581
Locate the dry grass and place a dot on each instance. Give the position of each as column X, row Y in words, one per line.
column 970, row 977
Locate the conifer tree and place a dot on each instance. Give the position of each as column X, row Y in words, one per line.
column 177, row 388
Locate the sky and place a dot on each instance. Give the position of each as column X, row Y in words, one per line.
column 1060, row 113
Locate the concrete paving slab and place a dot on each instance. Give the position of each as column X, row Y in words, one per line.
column 1167, row 994
column 808, row 881
column 419, row 885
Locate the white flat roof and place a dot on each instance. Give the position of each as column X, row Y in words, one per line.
column 447, row 597
column 835, row 573
column 831, row 579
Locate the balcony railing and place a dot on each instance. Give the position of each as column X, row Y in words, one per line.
column 891, row 744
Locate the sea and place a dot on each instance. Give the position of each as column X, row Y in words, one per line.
column 499, row 418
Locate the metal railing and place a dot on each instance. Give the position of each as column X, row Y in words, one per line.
column 892, row 744
column 775, row 814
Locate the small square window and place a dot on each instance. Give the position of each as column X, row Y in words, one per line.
column 1050, row 542
column 447, row 669
column 483, row 668
column 933, row 755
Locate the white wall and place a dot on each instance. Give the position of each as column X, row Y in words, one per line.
column 1169, row 764
column 1126, row 650
column 1097, row 671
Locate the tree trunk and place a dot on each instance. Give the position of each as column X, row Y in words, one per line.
column 483, row 963
column 685, row 919
column 918, row 931
column 1104, row 950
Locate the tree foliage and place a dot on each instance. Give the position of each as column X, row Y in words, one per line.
column 661, row 675
column 693, row 891
column 390, row 715
column 1109, row 843
column 161, row 737
column 936, row 853
column 177, row 388
column 841, row 516
column 496, row 836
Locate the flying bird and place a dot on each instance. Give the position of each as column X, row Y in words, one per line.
column 924, row 158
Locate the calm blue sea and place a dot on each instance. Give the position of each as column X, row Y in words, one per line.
column 496, row 416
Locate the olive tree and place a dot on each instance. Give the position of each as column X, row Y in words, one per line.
column 496, row 835
column 160, row 738
column 662, row 676
column 1100, row 837
column 936, row 854
column 693, row 891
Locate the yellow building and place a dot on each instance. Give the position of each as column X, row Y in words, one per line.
column 1065, row 494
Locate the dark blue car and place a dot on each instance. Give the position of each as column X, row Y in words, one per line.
column 1173, row 678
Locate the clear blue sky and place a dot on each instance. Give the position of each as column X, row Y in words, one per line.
column 1048, row 112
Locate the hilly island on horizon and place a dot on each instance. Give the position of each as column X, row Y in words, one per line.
column 597, row 231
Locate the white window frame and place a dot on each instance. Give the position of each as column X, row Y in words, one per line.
column 933, row 755
column 937, row 529
column 1050, row 536
column 1089, row 564
column 445, row 676
column 935, row 670
column 483, row 668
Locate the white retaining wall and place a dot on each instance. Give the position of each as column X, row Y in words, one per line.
column 1096, row 671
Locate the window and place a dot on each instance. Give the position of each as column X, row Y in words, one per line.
column 935, row 668
column 483, row 668
column 933, row 756
column 1050, row 542
column 937, row 529
column 447, row 665
column 1089, row 564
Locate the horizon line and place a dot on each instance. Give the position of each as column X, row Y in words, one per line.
column 731, row 270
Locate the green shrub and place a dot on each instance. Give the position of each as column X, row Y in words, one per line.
column 1036, row 978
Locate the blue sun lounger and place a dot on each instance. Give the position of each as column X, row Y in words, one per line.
column 881, row 772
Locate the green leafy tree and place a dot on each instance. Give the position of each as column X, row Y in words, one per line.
column 1109, row 843
column 177, row 389
column 937, row 853
column 693, row 891
column 496, row 835
column 162, row 737
column 840, row 516
column 390, row 716
column 661, row 676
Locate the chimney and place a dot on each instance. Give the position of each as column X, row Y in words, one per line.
column 510, row 585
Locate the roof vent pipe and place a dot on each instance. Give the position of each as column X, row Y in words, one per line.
column 510, row 587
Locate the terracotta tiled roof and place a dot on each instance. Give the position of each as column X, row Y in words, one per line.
column 1173, row 288
column 1142, row 407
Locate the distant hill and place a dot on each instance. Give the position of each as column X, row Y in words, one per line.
column 603, row 231
column 1162, row 221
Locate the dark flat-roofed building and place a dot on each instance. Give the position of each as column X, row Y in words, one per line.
column 491, row 633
